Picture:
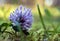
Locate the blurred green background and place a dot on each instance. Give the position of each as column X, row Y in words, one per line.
column 51, row 21
column 8, row 6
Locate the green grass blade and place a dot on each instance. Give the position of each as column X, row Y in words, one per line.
column 41, row 17
column 47, row 12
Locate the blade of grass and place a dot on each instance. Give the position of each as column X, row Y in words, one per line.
column 44, row 27
column 48, row 14
column 41, row 18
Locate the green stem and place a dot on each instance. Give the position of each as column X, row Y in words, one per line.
column 41, row 17
column 45, row 31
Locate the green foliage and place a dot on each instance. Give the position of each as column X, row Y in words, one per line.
column 37, row 31
column 48, row 14
column 5, row 25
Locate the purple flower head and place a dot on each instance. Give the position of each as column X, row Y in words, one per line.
column 22, row 16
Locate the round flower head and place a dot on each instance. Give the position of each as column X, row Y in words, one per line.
column 22, row 16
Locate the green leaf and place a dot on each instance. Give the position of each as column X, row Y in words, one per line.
column 42, row 21
column 41, row 17
column 3, row 25
column 48, row 14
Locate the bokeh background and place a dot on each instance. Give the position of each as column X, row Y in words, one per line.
column 8, row 6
